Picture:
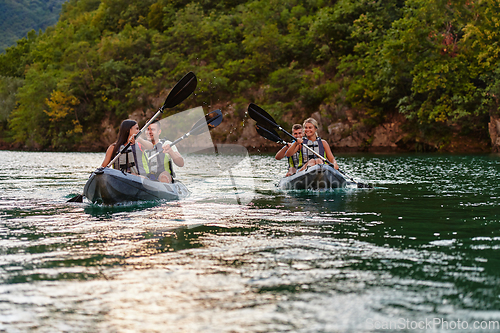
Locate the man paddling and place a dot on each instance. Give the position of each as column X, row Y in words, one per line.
column 295, row 161
column 313, row 141
column 160, row 167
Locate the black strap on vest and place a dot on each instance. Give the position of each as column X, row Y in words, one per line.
column 310, row 155
column 126, row 167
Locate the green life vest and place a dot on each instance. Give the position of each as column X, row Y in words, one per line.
column 296, row 161
column 158, row 164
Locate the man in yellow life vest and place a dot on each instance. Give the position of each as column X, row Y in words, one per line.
column 159, row 167
column 295, row 161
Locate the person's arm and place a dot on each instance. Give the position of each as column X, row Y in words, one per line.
column 176, row 156
column 281, row 153
column 329, row 154
column 109, row 156
column 146, row 145
column 294, row 147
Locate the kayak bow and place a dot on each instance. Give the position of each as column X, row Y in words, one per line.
column 316, row 177
column 110, row 186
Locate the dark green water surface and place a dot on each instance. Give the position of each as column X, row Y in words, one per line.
column 418, row 253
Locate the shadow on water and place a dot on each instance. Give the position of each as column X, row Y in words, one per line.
column 20, row 209
column 99, row 251
column 186, row 237
column 106, row 211
column 336, row 200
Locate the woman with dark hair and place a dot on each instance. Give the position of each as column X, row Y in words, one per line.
column 129, row 161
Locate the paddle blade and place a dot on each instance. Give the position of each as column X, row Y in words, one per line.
column 359, row 185
column 181, row 90
column 262, row 118
column 362, row 185
column 211, row 120
column 214, row 119
column 269, row 134
column 78, row 198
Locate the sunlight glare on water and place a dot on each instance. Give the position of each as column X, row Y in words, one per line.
column 239, row 255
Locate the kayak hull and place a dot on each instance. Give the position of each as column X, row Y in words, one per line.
column 110, row 186
column 316, row 178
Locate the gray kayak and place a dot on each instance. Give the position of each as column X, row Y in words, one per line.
column 316, row 178
column 110, row 186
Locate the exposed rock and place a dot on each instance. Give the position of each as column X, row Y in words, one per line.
column 416, row 144
column 349, row 142
column 344, row 135
column 317, row 116
column 386, row 135
column 337, row 130
column 357, row 139
column 354, row 135
column 494, row 129
column 252, row 141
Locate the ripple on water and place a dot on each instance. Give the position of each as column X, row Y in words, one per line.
column 423, row 247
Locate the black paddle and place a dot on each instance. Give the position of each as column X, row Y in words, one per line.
column 270, row 134
column 179, row 93
column 265, row 127
column 211, row 120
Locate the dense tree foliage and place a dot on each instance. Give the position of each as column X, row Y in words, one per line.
column 18, row 17
column 435, row 61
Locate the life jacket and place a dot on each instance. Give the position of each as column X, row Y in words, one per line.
column 128, row 161
column 158, row 164
column 316, row 145
column 296, row 161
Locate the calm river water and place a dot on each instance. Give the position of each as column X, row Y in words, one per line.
column 418, row 253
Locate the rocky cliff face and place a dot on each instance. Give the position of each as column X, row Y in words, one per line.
column 494, row 128
column 352, row 135
column 344, row 134
column 355, row 136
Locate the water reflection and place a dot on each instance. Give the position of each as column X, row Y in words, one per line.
column 425, row 245
column 185, row 237
column 104, row 212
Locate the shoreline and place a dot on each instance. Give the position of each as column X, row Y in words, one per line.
column 267, row 149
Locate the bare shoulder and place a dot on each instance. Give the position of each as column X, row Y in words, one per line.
column 110, row 148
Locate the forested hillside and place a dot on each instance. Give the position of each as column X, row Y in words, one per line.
column 434, row 62
column 17, row 17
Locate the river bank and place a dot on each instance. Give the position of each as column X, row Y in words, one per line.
column 348, row 133
column 351, row 134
